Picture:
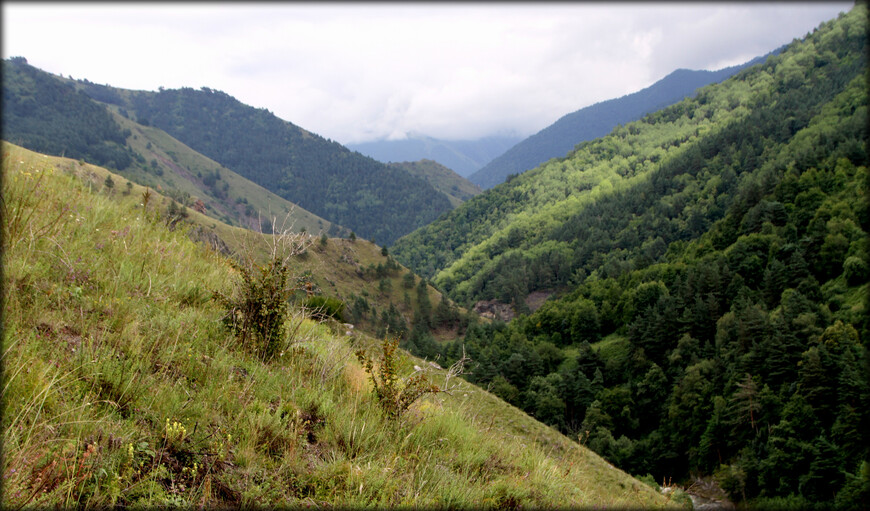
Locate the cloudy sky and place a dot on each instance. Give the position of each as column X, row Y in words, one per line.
column 356, row 72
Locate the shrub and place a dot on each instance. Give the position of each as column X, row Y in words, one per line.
column 395, row 395
column 259, row 306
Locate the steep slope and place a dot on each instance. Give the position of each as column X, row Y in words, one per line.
column 455, row 187
column 715, row 323
column 46, row 113
column 740, row 355
column 42, row 113
column 122, row 387
column 550, row 226
column 558, row 139
column 188, row 177
column 463, row 156
column 322, row 176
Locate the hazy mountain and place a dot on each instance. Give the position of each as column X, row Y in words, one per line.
column 597, row 120
column 462, row 156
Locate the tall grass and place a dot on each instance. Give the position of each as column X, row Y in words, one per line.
column 121, row 385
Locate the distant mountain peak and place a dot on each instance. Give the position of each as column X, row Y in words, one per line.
column 462, row 156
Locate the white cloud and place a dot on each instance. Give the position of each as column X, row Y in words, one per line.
column 356, row 72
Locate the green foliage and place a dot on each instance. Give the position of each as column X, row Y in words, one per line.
column 855, row 270
column 257, row 315
column 324, row 307
column 627, row 196
column 46, row 115
column 394, row 394
column 717, row 247
column 257, row 310
column 408, row 280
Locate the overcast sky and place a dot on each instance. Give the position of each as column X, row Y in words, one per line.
column 356, row 72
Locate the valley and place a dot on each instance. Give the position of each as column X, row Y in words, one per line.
column 207, row 305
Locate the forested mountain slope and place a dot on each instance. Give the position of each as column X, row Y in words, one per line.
column 464, row 157
column 47, row 113
column 558, row 139
column 322, row 176
column 664, row 178
column 715, row 318
column 455, row 187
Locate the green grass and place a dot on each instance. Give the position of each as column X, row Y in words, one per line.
column 121, row 386
column 613, row 346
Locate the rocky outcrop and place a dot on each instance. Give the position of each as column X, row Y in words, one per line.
column 494, row 309
column 203, row 235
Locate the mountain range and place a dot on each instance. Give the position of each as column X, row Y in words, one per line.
column 213, row 134
column 124, row 385
column 685, row 295
column 556, row 140
column 462, row 156
column 707, row 275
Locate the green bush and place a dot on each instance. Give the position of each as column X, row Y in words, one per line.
column 259, row 306
column 324, row 307
column 395, row 395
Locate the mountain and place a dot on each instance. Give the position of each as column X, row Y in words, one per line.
column 374, row 200
column 125, row 385
column 321, row 176
column 462, row 156
column 43, row 113
column 709, row 278
column 558, row 139
column 455, row 187
column 46, row 113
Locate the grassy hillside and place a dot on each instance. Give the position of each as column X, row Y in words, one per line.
column 188, row 176
column 455, row 187
column 377, row 292
column 121, row 386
